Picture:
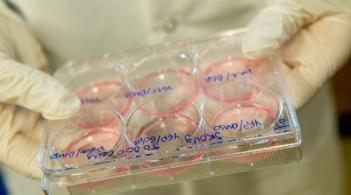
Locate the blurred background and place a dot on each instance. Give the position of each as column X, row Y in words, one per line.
column 342, row 90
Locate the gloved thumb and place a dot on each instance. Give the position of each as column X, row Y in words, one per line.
column 28, row 87
column 280, row 21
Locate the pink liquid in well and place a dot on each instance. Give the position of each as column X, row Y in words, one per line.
column 221, row 80
column 93, row 139
column 100, row 129
column 99, row 121
column 169, row 124
column 181, row 81
column 108, row 140
column 104, row 129
column 242, row 114
column 246, row 113
column 101, row 91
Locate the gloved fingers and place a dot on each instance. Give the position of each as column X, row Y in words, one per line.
column 35, row 90
column 36, row 133
column 314, row 55
column 299, row 86
column 33, row 128
column 280, row 21
column 20, row 154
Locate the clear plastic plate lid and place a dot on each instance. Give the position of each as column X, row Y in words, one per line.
column 170, row 113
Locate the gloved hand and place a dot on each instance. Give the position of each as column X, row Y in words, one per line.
column 25, row 92
column 315, row 37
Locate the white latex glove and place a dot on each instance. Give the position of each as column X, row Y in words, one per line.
column 25, row 92
column 315, row 37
